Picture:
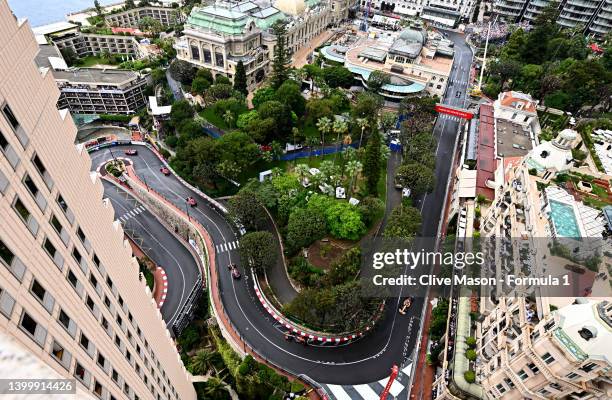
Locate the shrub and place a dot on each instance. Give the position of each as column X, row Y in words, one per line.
column 470, row 376
column 297, row 387
column 188, row 338
column 470, row 354
column 471, row 341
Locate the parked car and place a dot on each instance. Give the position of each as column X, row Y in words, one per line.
column 131, row 152
column 165, row 171
column 191, row 201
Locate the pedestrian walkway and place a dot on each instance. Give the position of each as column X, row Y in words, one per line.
column 130, row 214
column 228, row 246
column 371, row 391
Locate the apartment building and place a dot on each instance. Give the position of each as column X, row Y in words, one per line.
column 437, row 12
column 70, row 291
column 101, row 91
column 594, row 15
column 130, row 18
column 563, row 354
column 218, row 36
column 90, row 44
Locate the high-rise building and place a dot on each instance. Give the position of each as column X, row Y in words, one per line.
column 563, row 354
column 594, row 16
column 69, row 286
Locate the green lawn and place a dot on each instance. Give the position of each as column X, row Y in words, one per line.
column 213, row 118
column 90, row 61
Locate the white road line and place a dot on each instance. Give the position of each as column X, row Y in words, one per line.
column 366, row 392
column 225, row 247
column 218, row 249
column 339, row 392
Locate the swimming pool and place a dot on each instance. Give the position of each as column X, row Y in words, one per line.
column 564, row 219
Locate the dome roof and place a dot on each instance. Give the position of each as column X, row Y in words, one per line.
column 568, row 134
column 412, row 35
column 291, row 7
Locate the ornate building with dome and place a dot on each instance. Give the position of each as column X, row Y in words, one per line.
column 218, row 36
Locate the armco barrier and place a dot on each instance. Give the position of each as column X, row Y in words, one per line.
column 209, row 248
column 303, row 332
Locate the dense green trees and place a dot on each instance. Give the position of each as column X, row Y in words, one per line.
column 303, row 228
column 246, row 208
column 403, row 223
column 281, row 61
column 259, row 250
column 337, row 76
column 290, row 94
column 373, row 163
column 240, row 79
column 418, row 177
column 182, row 71
column 552, row 64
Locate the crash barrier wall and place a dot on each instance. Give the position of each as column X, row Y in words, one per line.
column 174, row 224
column 292, row 326
column 295, row 329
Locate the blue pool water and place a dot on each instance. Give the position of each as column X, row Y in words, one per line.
column 564, row 220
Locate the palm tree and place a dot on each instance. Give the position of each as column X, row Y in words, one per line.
column 277, row 149
column 363, row 124
column 353, row 168
column 349, row 154
column 228, row 117
column 339, row 127
column 202, row 362
column 324, row 125
column 301, row 170
column 327, row 169
column 215, row 389
column 311, row 142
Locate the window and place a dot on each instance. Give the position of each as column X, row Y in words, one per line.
column 84, row 341
column 533, row 368
column 549, row 326
column 93, row 280
column 62, row 203
column 21, row 210
column 544, row 392
column 28, row 324
column 29, row 183
column 522, row 374
column 120, row 301
column 104, row 323
column 572, row 375
column 60, row 354
column 107, row 302
column 49, row 247
column 589, row 367
column 40, row 167
column 4, row 144
column 79, row 371
column 500, row 388
column 37, row 290
column 6, row 255
column 90, row 303
column 77, row 256
column 117, row 341
column 119, row 320
column 10, row 117
column 96, row 260
column 547, row 358
column 97, row 388
column 556, row 386
column 126, row 389
column 509, row 382
column 72, row 279
column 56, row 224
column 81, row 234
column 115, row 376
column 101, row 360
column 64, row 319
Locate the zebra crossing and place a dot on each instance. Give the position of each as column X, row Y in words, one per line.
column 223, row 247
column 371, row 391
column 132, row 213
column 450, row 117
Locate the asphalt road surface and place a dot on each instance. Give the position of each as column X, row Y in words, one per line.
column 364, row 361
column 160, row 245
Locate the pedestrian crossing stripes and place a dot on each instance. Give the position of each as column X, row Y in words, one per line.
column 371, row 391
column 131, row 213
column 450, row 117
column 223, row 247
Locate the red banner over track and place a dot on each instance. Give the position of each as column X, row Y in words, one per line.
column 394, row 372
column 454, row 111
